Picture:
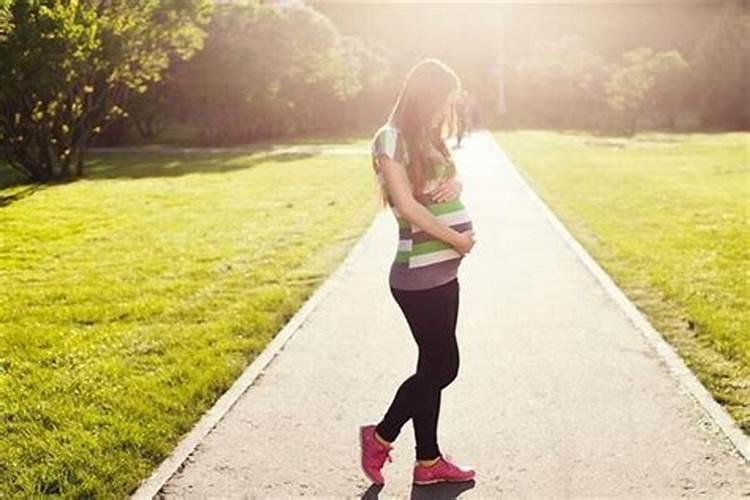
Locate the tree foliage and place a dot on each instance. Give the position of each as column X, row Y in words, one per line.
column 721, row 68
column 67, row 68
column 270, row 70
column 560, row 81
column 5, row 23
column 633, row 83
column 537, row 61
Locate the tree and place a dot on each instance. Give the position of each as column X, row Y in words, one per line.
column 354, row 72
column 632, row 83
column 370, row 69
column 561, row 80
column 720, row 66
column 267, row 71
column 149, row 112
column 68, row 67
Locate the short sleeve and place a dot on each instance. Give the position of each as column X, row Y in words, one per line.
column 388, row 142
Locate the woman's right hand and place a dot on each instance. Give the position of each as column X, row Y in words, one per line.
column 464, row 242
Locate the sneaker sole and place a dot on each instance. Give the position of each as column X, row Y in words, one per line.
column 435, row 481
column 443, row 480
column 362, row 456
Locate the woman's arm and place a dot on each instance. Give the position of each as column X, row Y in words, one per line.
column 397, row 182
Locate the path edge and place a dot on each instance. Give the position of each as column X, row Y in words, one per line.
column 664, row 350
column 152, row 486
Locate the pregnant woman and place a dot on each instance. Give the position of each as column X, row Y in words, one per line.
column 417, row 177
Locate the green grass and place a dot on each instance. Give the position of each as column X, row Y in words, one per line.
column 668, row 217
column 133, row 299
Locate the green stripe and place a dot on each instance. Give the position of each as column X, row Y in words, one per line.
column 446, row 207
column 429, row 247
column 402, row 256
column 436, row 209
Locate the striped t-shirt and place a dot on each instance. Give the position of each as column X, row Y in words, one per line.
column 422, row 260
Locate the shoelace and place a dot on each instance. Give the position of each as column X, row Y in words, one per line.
column 383, row 450
column 387, row 454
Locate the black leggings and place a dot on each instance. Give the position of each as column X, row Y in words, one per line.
column 432, row 315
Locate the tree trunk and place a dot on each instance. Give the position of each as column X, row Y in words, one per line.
column 632, row 123
column 79, row 165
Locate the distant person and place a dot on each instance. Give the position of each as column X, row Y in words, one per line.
column 460, row 111
column 417, row 179
column 473, row 113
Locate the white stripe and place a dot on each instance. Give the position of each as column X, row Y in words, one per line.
column 433, row 258
column 405, row 245
column 450, row 219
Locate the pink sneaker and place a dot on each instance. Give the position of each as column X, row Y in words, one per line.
column 443, row 470
column 374, row 453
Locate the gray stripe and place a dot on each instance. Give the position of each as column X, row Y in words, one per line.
column 420, row 278
column 424, row 236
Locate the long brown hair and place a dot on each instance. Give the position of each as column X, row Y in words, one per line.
column 428, row 85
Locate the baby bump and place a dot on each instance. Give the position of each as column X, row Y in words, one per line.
column 427, row 251
column 452, row 213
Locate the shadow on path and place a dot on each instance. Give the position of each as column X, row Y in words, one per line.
column 441, row 491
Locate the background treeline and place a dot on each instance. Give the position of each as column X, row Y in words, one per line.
column 203, row 73
column 269, row 71
column 600, row 66
column 265, row 71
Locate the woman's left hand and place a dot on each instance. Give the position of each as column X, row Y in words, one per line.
column 447, row 190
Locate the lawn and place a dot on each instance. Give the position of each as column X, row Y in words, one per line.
column 132, row 299
column 668, row 217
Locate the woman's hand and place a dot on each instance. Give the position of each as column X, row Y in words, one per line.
column 447, row 190
column 464, row 242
